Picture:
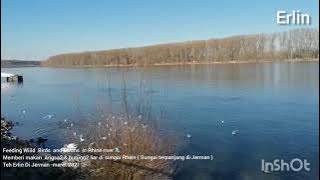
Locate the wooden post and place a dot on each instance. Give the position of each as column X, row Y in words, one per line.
column 20, row 78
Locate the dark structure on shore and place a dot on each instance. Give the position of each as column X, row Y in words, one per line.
column 15, row 78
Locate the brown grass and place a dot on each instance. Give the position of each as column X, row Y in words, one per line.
column 133, row 136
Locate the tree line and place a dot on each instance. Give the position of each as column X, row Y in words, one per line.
column 292, row 44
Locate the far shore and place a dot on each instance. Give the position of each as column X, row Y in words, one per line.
column 19, row 63
column 191, row 63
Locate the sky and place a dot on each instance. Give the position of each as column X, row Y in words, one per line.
column 38, row 29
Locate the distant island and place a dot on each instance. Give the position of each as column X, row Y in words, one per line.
column 19, row 63
column 292, row 45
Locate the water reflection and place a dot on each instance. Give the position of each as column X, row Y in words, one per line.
column 274, row 105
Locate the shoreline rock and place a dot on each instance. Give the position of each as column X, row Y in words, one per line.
column 6, row 126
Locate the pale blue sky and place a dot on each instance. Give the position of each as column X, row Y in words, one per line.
column 37, row 29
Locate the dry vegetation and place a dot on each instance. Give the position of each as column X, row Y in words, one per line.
column 293, row 44
column 131, row 136
column 133, row 131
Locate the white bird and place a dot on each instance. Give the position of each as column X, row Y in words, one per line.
column 139, row 116
column 234, row 132
column 24, row 111
column 104, row 138
column 222, row 122
column 125, row 123
column 49, row 116
column 81, row 138
column 71, row 125
column 113, row 117
column 14, row 138
column 188, row 136
column 99, row 123
column 109, row 134
column 72, row 145
column 74, row 134
column 116, row 149
column 91, row 144
column 69, row 147
column 65, row 120
column 144, row 125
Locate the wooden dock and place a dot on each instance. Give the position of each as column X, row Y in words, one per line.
column 12, row 77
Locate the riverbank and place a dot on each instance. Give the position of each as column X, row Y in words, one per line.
column 19, row 63
column 193, row 63
column 16, row 169
column 254, row 47
column 122, row 136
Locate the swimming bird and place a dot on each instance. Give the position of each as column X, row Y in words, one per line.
column 188, row 135
column 234, row 132
column 41, row 140
column 65, row 120
column 222, row 122
column 81, row 138
column 139, row 116
column 24, row 111
column 49, row 116
column 144, row 125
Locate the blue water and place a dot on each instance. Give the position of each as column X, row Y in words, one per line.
column 273, row 105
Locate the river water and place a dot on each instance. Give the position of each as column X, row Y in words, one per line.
column 273, row 107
